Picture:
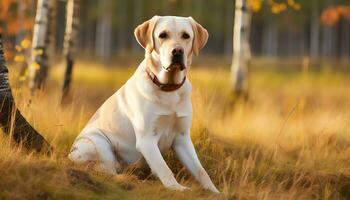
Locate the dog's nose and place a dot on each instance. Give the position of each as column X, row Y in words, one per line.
column 177, row 51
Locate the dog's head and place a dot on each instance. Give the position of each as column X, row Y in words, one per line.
column 169, row 43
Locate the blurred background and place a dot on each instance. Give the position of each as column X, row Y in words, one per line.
column 279, row 28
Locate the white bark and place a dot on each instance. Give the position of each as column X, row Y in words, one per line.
column 241, row 48
column 70, row 43
column 39, row 58
column 41, row 24
column 71, row 32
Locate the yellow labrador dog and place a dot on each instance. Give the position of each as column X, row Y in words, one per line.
column 152, row 112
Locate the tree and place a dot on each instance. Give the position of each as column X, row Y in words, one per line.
column 315, row 30
column 104, row 30
column 241, row 48
column 39, row 59
column 330, row 16
column 70, row 43
column 52, row 30
column 241, row 32
column 11, row 120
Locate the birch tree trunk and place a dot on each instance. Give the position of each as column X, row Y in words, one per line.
column 11, row 120
column 70, row 43
column 241, row 48
column 39, row 59
column 104, row 30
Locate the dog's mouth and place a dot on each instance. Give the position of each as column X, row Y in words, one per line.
column 175, row 66
column 177, row 63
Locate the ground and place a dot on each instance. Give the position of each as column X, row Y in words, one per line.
column 289, row 140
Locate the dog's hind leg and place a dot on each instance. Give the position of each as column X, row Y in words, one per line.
column 95, row 148
column 107, row 155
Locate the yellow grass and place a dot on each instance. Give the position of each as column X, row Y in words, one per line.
column 290, row 140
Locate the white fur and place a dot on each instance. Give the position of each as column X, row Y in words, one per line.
column 141, row 121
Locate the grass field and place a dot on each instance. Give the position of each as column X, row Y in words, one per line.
column 290, row 140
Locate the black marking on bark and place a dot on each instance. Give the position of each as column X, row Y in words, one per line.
column 11, row 120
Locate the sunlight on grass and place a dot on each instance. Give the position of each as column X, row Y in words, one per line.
column 291, row 139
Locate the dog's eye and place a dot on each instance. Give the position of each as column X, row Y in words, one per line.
column 163, row 35
column 185, row 36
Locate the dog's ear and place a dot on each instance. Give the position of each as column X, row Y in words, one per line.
column 144, row 33
column 200, row 36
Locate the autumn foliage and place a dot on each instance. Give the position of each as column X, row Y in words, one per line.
column 331, row 15
column 276, row 7
column 9, row 19
column 13, row 20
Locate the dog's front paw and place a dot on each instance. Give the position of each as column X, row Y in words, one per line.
column 215, row 190
column 212, row 188
column 178, row 187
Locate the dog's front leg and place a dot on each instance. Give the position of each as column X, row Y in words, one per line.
column 148, row 147
column 187, row 154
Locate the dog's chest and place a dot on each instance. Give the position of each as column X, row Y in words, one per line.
column 166, row 128
column 170, row 100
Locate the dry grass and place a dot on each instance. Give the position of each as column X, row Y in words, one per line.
column 291, row 140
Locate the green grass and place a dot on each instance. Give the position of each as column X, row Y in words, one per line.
column 290, row 140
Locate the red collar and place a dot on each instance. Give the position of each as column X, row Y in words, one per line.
column 161, row 86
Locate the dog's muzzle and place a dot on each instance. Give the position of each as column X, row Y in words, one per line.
column 177, row 60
